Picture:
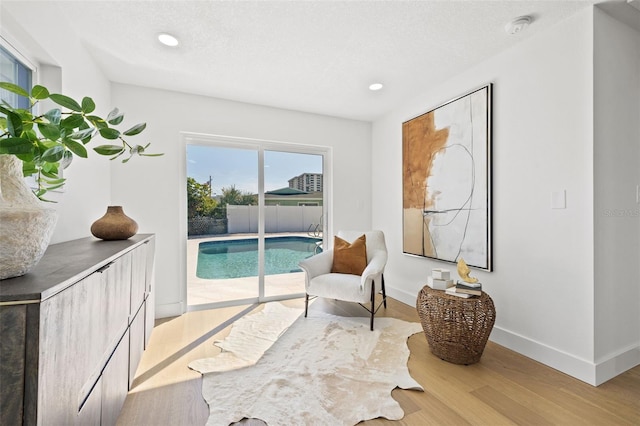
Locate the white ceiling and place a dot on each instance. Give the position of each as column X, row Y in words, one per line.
column 314, row 56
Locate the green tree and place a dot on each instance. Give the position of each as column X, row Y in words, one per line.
column 248, row 199
column 232, row 195
column 199, row 201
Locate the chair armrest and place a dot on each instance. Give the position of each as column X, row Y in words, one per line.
column 374, row 269
column 318, row 264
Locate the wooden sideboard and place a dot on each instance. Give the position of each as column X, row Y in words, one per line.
column 73, row 330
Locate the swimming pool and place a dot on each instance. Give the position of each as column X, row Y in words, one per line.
column 239, row 258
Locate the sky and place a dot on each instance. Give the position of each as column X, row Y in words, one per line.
column 239, row 167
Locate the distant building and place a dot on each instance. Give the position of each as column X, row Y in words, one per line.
column 308, row 182
column 292, row 197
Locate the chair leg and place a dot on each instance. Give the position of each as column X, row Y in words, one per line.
column 373, row 303
column 306, row 304
column 384, row 294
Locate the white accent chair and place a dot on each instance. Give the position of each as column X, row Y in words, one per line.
column 361, row 289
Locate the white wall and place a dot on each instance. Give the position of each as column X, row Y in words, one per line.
column 543, row 279
column 616, row 213
column 149, row 188
column 87, row 192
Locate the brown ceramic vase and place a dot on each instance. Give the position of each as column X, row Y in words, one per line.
column 114, row 225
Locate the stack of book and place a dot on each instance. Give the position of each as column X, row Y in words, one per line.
column 439, row 279
column 464, row 289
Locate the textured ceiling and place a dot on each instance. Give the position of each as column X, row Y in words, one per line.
column 315, row 56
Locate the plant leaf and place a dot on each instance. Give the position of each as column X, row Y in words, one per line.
column 56, row 186
column 53, row 116
column 76, row 147
column 138, row 128
column 50, row 170
column 73, row 121
column 115, row 117
column 88, row 106
column 28, row 156
column 66, row 102
column 49, row 131
column 30, row 134
column 117, row 120
column 82, row 134
column 67, row 158
column 14, row 88
column 109, row 133
column 113, row 158
column 14, row 123
column 115, row 113
column 109, row 149
column 53, row 154
column 39, row 193
column 55, row 181
column 15, row 146
column 28, row 168
column 39, row 92
column 152, row 155
column 97, row 121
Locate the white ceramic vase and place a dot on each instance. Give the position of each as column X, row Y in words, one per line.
column 26, row 224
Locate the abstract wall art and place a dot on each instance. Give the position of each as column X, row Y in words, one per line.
column 446, row 167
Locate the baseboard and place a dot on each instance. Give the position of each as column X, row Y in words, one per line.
column 401, row 295
column 169, row 310
column 569, row 364
column 617, row 364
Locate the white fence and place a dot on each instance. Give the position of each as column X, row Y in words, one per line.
column 244, row 219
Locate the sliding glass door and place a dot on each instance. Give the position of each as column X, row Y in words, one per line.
column 254, row 210
column 293, row 203
column 222, row 255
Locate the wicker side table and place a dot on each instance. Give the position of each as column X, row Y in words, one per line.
column 457, row 329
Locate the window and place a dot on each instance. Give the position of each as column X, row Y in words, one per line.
column 14, row 71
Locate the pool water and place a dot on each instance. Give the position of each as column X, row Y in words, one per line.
column 239, row 258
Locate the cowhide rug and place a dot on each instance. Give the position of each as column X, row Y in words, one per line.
column 324, row 370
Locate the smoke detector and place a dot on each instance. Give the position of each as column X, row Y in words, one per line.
column 518, row 24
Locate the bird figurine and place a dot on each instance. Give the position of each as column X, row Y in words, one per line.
column 463, row 271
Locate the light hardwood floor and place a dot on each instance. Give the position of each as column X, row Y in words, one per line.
column 504, row 388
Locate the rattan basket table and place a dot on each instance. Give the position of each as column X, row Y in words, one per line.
column 457, row 329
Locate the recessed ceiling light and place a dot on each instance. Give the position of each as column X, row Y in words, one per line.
column 376, row 86
column 168, row 39
column 518, row 25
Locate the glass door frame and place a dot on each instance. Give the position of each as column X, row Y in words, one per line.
column 260, row 146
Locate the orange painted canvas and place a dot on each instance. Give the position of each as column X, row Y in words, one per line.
column 446, row 181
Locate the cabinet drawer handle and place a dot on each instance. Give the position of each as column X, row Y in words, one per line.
column 105, row 267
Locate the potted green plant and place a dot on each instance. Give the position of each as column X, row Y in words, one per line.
column 41, row 145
